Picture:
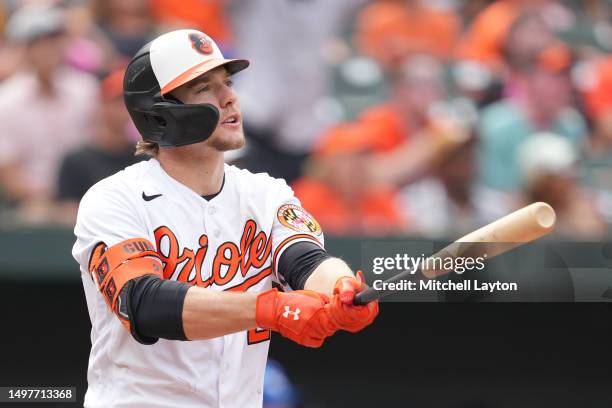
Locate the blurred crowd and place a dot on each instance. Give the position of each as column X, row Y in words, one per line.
column 387, row 117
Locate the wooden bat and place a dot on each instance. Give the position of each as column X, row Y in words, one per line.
column 524, row 225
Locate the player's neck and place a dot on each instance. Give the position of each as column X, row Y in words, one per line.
column 200, row 171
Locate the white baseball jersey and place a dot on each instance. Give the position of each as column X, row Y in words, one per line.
column 231, row 242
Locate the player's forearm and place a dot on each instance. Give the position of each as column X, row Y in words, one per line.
column 325, row 276
column 208, row 313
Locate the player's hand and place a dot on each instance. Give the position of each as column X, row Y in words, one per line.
column 343, row 314
column 300, row 316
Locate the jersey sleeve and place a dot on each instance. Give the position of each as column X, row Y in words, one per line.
column 292, row 224
column 106, row 215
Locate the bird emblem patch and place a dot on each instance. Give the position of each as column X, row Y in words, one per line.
column 201, row 43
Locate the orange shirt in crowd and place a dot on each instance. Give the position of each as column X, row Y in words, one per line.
column 388, row 31
column 485, row 37
column 385, row 122
column 205, row 15
column 369, row 211
column 598, row 97
column 375, row 212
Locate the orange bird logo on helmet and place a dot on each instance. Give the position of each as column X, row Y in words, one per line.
column 200, row 43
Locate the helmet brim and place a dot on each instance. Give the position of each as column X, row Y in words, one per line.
column 233, row 66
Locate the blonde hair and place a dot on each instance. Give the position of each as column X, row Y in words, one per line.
column 144, row 148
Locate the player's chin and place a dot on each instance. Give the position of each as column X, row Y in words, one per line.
column 228, row 138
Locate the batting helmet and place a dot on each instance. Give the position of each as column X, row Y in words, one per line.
column 163, row 65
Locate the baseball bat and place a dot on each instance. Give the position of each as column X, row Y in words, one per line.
column 520, row 227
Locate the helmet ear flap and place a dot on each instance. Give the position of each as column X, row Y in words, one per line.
column 185, row 124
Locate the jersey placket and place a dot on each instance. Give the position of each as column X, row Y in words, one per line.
column 213, row 232
column 227, row 375
column 209, row 220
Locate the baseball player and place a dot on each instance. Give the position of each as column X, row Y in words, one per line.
column 178, row 253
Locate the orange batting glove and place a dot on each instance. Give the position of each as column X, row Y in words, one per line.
column 346, row 316
column 299, row 315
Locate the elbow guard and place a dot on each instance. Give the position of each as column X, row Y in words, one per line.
column 113, row 268
column 129, row 276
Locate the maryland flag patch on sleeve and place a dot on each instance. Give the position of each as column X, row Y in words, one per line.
column 298, row 219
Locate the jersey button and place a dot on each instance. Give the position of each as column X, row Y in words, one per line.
column 212, row 210
column 217, row 233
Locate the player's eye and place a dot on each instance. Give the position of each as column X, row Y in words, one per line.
column 229, row 83
column 203, row 89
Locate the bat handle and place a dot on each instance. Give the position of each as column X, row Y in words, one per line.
column 370, row 294
column 365, row 297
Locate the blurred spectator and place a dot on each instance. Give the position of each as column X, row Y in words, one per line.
column 547, row 163
column 111, row 150
column 449, row 202
column 598, row 101
column 392, row 30
column 530, row 41
column 417, row 117
column 278, row 391
column 539, row 98
column 88, row 47
column 208, row 16
column 9, row 55
column 335, row 190
column 285, row 96
column 596, row 81
column 503, row 38
column 486, row 39
column 128, row 24
column 483, row 39
column 45, row 107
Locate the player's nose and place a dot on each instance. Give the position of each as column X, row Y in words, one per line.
column 227, row 97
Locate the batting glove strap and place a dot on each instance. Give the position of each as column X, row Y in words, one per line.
column 299, row 316
column 264, row 310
